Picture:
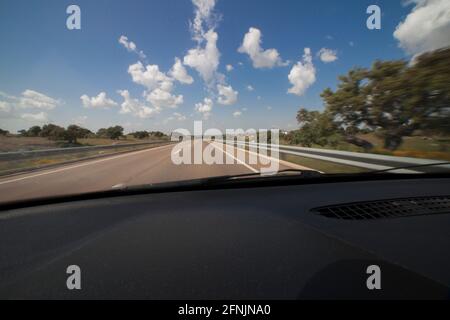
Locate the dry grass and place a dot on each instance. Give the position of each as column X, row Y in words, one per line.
column 9, row 144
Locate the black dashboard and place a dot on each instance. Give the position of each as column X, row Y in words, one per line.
column 261, row 242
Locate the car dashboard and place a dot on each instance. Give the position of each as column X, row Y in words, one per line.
column 253, row 242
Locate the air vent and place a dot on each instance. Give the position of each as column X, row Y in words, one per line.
column 383, row 209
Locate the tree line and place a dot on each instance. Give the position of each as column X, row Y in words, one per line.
column 74, row 132
column 393, row 99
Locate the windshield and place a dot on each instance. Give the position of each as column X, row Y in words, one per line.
column 102, row 95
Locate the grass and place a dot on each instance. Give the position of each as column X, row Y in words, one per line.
column 320, row 165
column 16, row 143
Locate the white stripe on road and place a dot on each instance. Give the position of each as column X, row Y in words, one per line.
column 82, row 165
column 232, row 156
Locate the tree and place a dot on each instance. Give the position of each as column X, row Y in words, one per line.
column 394, row 98
column 102, row 133
column 75, row 132
column 34, row 131
column 53, row 132
column 3, row 132
column 140, row 134
column 316, row 128
column 115, row 132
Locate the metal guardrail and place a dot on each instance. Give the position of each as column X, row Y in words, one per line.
column 21, row 155
column 355, row 159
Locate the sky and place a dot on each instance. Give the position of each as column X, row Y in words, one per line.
column 162, row 64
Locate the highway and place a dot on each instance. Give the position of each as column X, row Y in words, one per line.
column 149, row 166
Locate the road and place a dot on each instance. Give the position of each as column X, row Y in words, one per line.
column 135, row 168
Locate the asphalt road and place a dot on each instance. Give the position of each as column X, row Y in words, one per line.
column 135, row 168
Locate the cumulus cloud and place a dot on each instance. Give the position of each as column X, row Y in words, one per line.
column 250, row 88
column 327, row 55
column 237, row 114
column 34, row 99
column 229, row 67
column 29, row 99
column 160, row 98
column 149, row 76
column 302, row 75
column 5, row 107
column 135, row 107
column 101, row 101
column 179, row 73
column 159, row 85
column 227, row 96
column 426, row 28
column 205, row 107
column 261, row 58
column 131, row 46
column 35, row 117
column 205, row 59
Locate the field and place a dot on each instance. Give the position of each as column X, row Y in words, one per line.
column 11, row 143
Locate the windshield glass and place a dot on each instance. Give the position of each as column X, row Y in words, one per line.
column 101, row 95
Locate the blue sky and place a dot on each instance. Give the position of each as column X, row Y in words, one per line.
column 41, row 55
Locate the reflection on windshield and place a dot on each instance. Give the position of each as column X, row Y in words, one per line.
column 146, row 95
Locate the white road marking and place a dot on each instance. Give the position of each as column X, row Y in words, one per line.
column 119, row 186
column 82, row 165
column 232, row 156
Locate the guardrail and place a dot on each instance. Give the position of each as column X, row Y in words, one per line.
column 21, row 155
column 355, row 159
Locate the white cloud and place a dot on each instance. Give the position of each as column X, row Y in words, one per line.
column 261, row 58
column 135, row 107
column 269, row 108
column 250, row 88
column 229, row 67
column 179, row 73
column 160, row 98
column 203, row 15
column 205, row 107
column 34, row 99
column 149, row 76
column 426, row 28
column 35, row 117
column 302, row 75
column 5, row 107
column 131, row 46
column 327, row 55
column 160, row 85
column 179, row 116
column 237, row 114
column 227, row 96
column 101, row 101
column 205, row 60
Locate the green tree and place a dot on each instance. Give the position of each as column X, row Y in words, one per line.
column 114, row 133
column 394, row 98
column 75, row 132
column 53, row 132
column 3, row 132
column 34, row 131
column 140, row 134
column 315, row 128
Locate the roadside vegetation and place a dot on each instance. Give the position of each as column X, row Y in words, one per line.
column 54, row 136
column 394, row 108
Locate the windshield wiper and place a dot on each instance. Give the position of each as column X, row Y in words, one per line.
column 412, row 167
column 300, row 173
